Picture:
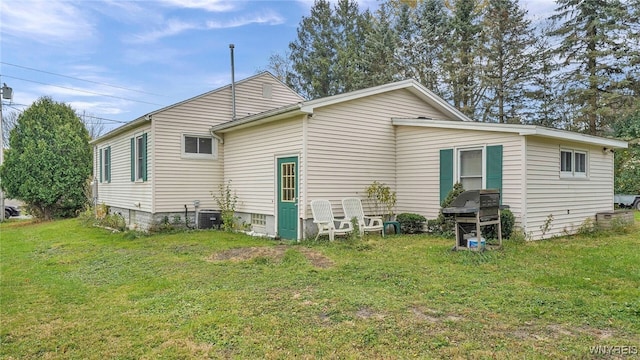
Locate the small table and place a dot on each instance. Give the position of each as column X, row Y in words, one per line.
column 395, row 224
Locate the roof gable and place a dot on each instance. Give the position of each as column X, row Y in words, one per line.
column 308, row 107
column 149, row 116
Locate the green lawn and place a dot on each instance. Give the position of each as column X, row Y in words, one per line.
column 83, row 293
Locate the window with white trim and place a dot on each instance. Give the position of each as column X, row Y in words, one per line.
column 139, row 158
column 470, row 173
column 199, row 147
column 573, row 163
column 105, row 164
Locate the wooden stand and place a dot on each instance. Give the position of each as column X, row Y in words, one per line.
column 477, row 220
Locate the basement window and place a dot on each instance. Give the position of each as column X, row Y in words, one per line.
column 258, row 219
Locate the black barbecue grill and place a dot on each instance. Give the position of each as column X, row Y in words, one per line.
column 472, row 210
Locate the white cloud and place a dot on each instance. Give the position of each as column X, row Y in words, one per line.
column 175, row 27
column 45, row 21
column 207, row 5
column 171, row 28
column 269, row 18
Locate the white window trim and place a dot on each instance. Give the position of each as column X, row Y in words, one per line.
column 214, row 147
column 573, row 174
column 458, row 163
column 103, row 154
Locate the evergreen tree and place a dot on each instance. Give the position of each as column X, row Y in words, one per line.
column 591, row 47
column 313, row 53
column 406, row 54
column 432, row 27
column 49, row 160
column 508, row 38
column 349, row 30
column 543, row 94
column 378, row 59
column 327, row 55
column 463, row 56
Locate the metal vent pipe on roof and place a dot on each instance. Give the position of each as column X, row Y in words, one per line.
column 233, row 85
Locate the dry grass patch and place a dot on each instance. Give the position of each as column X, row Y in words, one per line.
column 276, row 253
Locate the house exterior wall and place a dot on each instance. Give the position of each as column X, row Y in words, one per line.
column 121, row 192
column 250, row 164
column 569, row 201
column 417, row 162
column 352, row 144
column 179, row 179
column 173, row 178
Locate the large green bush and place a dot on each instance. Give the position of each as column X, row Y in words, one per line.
column 48, row 161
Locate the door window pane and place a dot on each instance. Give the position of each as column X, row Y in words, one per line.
column 287, row 183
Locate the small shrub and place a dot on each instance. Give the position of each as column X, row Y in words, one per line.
column 384, row 200
column 114, row 221
column 445, row 225
column 507, row 222
column 162, row 226
column 355, row 229
column 411, row 223
column 226, row 201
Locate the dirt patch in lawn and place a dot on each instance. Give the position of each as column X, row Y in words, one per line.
column 276, row 253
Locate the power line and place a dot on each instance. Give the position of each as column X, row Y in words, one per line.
column 75, row 78
column 84, row 91
column 13, row 106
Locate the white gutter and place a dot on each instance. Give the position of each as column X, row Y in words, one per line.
column 263, row 117
column 524, row 130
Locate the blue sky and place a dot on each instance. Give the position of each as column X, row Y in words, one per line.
column 139, row 56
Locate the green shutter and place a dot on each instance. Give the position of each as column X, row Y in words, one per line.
column 494, row 167
column 108, row 162
column 133, row 159
column 144, row 157
column 446, row 172
column 100, row 168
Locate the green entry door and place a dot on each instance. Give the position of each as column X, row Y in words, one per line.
column 288, row 197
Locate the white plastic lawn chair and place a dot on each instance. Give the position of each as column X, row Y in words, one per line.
column 353, row 209
column 323, row 217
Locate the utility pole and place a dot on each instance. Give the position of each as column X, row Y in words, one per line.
column 7, row 93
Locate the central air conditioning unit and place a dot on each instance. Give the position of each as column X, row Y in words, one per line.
column 208, row 219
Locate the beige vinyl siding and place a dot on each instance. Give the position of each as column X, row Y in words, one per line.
column 418, row 159
column 569, row 201
column 179, row 180
column 250, row 162
column 351, row 144
column 121, row 191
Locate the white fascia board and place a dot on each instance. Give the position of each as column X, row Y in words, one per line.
column 523, row 130
column 410, row 84
column 583, row 138
column 261, row 118
column 126, row 127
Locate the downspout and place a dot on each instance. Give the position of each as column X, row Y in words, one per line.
column 216, row 136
